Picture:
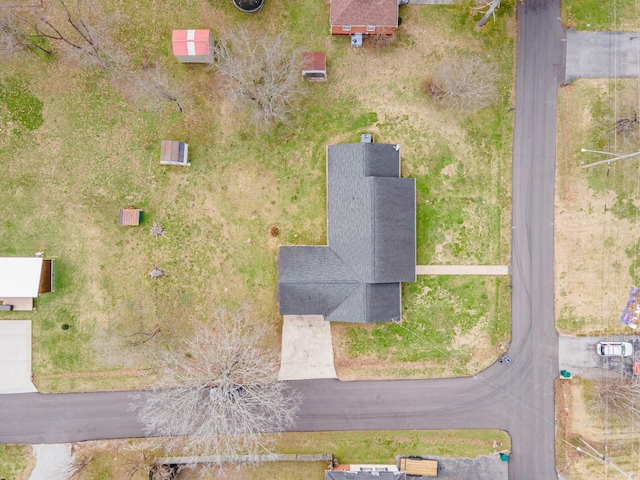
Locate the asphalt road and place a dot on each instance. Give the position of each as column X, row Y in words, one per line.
column 517, row 397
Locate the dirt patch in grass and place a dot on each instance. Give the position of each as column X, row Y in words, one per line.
column 595, row 210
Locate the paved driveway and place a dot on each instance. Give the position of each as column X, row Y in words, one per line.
column 602, row 55
column 307, row 350
column 15, row 356
column 578, row 356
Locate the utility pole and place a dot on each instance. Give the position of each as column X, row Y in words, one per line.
column 614, row 159
column 601, row 457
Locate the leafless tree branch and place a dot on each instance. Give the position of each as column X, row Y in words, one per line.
column 620, row 396
column 76, row 470
column 153, row 87
column 218, row 390
column 142, row 337
column 261, row 73
column 464, row 84
column 17, row 32
column 487, row 7
column 83, row 33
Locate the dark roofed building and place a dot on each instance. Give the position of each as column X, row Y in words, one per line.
column 363, row 475
column 371, row 236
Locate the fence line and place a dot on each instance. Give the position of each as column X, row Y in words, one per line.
column 270, row 457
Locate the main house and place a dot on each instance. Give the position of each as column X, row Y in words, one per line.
column 371, row 241
column 367, row 17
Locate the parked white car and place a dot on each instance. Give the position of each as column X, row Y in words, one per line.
column 614, row 349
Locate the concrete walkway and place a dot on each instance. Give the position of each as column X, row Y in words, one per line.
column 462, row 270
column 307, row 350
column 602, row 55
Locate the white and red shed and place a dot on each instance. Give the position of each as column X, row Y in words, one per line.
column 193, row 46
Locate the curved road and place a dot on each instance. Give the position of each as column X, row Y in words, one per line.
column 518, row 397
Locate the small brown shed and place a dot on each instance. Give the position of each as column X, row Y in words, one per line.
column 192, row 46
column 130, row 216
column 173, row 152
column 314, row 66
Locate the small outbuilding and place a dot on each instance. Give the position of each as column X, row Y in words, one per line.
column 130, row 216
column 193, row 46
column 314, row 67
column 24, row 278
column 173, row 152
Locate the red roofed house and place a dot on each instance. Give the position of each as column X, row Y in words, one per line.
column 193, row 46
column 368, row 17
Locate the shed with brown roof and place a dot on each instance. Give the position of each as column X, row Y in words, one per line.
column 174, row 153
column 368, row 17
column 314, row 66
column 130, row 216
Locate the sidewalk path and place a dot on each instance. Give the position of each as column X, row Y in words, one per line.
column 462, row 270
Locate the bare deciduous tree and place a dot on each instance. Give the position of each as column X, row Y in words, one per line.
column 620, row 396
column 219, row 391
column 464, row 83
column 75, row 470
column 82, row 30
column 626, row 125
column 261, row 73
column 378, row 41
column 157, row 230
column 139, row 338
column 156, row 272
column 153, row 88
column 17, row 32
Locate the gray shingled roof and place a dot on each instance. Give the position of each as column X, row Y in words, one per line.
column 344, row 475
column 371, row 230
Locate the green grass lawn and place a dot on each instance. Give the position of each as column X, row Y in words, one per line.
column 74, row 150
column 16, row 462
column 452, row 326
column 615, row 15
